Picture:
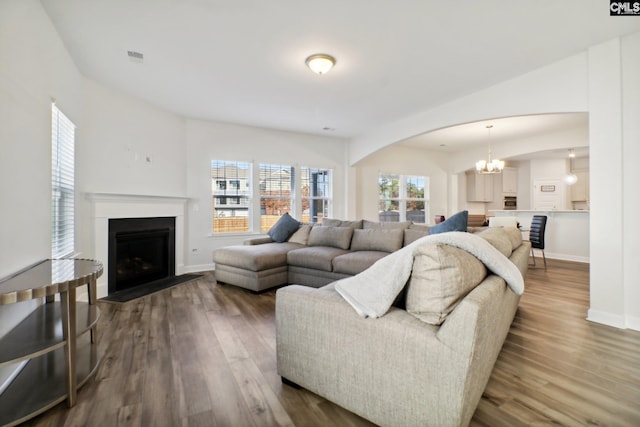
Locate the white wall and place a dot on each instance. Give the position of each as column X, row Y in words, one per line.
column 558, row 87
column 631, row 177
column 402, row 160
column 34, row 68
column 118, row 135
column 614, row 130
column 208, row 141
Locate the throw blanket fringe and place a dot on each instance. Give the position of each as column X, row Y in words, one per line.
column 372, row 291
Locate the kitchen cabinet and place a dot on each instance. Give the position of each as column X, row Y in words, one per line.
column 55, row 345
column 479, row 187
column 509, row 181
column 580, row 190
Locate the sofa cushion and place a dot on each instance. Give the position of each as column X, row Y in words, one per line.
column 377, row 240
column 441, row 277
column 413, row 234
column 387, row 225
column 356, row 262
column 421, row 227
column 331, row 222
column 498, row 238
column 515, row 237
column 336, row 237
column 255, row 257
column 316, row 257
column 301, row 235
column 283, row 228
column 456, row 222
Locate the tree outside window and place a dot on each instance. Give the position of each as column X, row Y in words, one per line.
column 402, row 198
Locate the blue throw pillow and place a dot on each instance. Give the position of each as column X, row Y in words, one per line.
column 283, row 229
column 457, row 222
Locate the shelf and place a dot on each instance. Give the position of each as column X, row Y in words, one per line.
column 52, row 351
column 41, row 331
column 41, row 383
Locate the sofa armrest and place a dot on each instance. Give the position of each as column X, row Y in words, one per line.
column 258, row 240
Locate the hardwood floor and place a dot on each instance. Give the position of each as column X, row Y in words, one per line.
column 202, row 354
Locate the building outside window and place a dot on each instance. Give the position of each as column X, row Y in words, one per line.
column 277, row 184
column 231, row 202
column 316, row 194
column 239, row 206
column 402, row 198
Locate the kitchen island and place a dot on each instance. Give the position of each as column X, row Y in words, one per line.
column 567, row 233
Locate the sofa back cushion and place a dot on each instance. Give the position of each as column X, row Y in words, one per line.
column 515, row 237
column 384, row 240
column 335, row 237
column 413, row 234
column 301, row 235
column 442, row 276
column 331, row 222
column 386, row 225
column 498, row 238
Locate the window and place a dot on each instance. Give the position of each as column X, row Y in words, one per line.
column 62, row 184
column 250, row 197
column 402, row 198
column 277, row 183
column 235, row 218
column 315, row 194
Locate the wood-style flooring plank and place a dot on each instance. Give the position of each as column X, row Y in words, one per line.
column 204, row 354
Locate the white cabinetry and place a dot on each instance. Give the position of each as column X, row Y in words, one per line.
column 510, row 181
column 479, row 187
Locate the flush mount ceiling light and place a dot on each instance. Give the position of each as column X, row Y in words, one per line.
column 320, row 63
column 489, row 165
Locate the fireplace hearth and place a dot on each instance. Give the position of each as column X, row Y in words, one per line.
column 141, row 251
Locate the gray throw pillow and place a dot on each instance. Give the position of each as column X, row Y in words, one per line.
column 284, row 228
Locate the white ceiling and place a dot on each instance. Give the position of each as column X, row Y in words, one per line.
column 242, row 61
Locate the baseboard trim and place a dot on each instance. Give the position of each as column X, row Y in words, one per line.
column 606, row 318
column 199, row 268
column 633, row 322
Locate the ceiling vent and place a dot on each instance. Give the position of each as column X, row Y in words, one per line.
column 135, row 56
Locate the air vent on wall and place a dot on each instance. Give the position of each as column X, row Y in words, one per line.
column 135, row 56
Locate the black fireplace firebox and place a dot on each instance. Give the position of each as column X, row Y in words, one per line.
column 141, row 250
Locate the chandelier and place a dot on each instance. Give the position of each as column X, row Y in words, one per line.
column 489, row 165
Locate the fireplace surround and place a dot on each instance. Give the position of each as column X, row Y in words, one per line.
column 107, row 206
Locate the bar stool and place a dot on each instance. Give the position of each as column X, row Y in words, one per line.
column 536, row 236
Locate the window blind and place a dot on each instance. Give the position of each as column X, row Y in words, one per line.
column 62, row 184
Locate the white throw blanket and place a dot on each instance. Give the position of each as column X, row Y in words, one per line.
column 372, row 291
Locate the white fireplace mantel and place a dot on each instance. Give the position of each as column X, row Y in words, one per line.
column 108, row 206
